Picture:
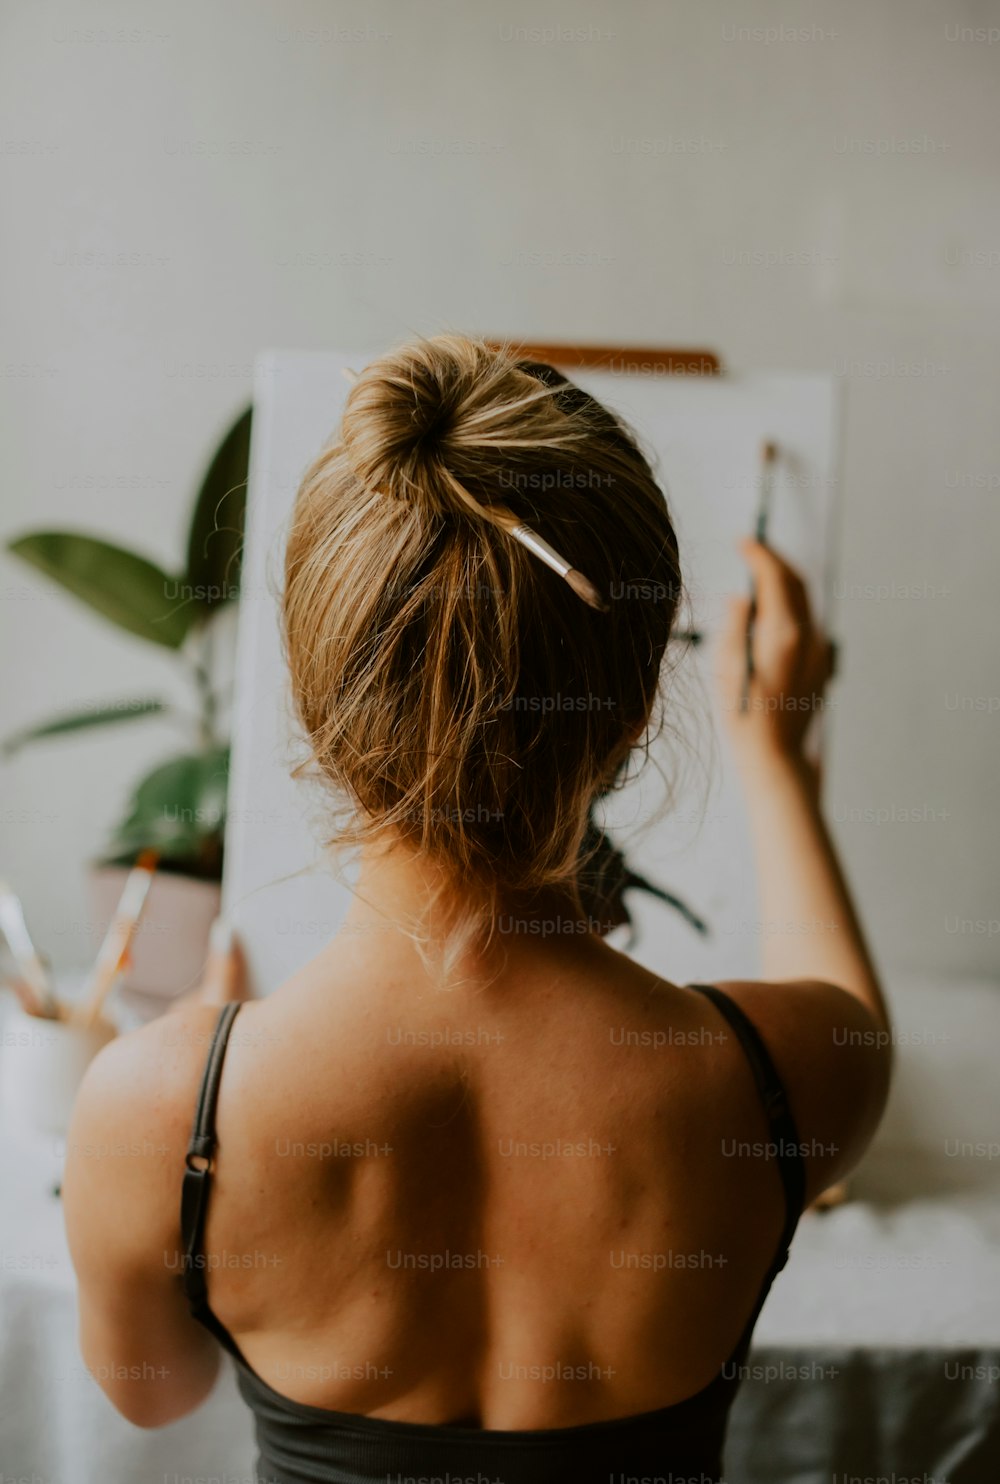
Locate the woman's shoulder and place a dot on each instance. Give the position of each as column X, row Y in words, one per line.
column 141, row 1089
column 834, row 1061
column 128, row 1137
column 148, row 1073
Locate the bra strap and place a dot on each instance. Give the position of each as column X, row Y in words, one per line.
column 783, row 1134
column 198, row 1176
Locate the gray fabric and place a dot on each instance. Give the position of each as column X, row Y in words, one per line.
column 881, row 1416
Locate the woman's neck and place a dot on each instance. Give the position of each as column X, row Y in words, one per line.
column 395, row 892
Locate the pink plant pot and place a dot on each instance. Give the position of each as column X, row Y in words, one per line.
column 171, row 943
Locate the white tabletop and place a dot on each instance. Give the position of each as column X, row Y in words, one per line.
column 55, row 1422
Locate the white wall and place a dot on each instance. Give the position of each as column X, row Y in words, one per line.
column 673, row 173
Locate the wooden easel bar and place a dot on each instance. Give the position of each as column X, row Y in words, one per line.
column 640, row 360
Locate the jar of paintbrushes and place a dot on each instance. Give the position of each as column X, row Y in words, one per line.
column 53, row 1032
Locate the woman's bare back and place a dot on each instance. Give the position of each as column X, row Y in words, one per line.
column 527, row 1205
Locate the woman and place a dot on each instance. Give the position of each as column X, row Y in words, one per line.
column 449, row 1215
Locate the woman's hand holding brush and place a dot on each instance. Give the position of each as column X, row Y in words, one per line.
column 768, row 713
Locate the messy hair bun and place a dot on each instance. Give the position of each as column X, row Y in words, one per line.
column 413, row 414
column 454, row 691
column 417, row 426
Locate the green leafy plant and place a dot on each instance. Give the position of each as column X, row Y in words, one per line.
column 178, row 809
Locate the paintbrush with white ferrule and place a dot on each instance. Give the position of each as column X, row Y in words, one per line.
column 31, row 984
column 529, row 538
column 113, row 955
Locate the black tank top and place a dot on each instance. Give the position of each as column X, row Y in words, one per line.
column 299, row 1444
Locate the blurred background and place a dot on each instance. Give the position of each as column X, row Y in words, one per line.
column 796, row 186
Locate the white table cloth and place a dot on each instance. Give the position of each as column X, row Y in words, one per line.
column 56, row 1425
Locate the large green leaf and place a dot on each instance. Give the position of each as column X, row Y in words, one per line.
column 215, row 541
column 106, row 714
column 132, row 592
column 179, row 810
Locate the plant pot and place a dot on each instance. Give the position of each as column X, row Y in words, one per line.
column 171, row 943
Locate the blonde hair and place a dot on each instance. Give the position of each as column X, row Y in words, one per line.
column 454, row 690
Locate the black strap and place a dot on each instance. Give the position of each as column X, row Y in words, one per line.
column 784, row 1136
column 198, row 1176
